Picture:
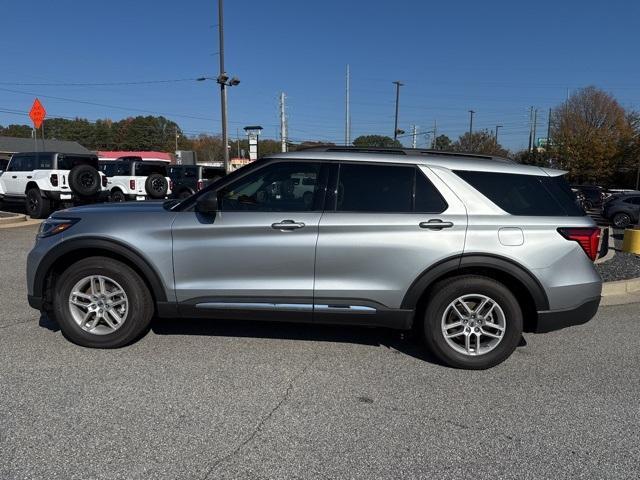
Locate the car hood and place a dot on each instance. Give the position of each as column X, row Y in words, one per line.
column 113, row 208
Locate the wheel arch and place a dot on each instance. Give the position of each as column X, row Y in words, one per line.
column 70, row 251
column 31, row 184
column 515, row 277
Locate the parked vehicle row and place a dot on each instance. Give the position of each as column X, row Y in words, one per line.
column 45, row 181
column 469, row 250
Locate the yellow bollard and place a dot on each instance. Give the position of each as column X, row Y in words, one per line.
column 631, row 241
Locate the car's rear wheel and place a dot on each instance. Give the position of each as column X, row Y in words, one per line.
column 117, row 196
column 102, row 303
column 36, row 205
column 156, row 186
column 472, row 322
column 621, row 220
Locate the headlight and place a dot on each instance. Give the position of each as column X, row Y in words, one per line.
column 54, row 226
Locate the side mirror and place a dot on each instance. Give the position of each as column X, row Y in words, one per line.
column 207, row 204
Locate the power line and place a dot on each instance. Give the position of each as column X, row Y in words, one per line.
column 95, row 84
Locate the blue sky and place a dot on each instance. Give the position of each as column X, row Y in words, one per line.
column 495, row 57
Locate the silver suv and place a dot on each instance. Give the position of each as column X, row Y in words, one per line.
column 469, row 250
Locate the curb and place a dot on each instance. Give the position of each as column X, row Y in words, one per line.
column 621, row 292
column 17, row 220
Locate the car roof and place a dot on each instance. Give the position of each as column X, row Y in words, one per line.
column 431, row 158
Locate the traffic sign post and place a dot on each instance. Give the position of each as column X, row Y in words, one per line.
column 37, row 115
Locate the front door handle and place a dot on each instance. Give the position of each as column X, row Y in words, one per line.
column 287, row 225
column 435, row 224
column 29, row 176
column 14, row 176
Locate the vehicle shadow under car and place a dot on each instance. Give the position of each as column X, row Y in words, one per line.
column 401, row 341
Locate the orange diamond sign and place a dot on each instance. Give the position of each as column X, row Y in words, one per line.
column 37, row 113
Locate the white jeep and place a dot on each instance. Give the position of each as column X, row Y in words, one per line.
column 42, row 181
column 131, row 178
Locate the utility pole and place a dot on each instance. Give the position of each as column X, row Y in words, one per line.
column 347, row 112
column 471, row 113
column 535, row 127
column 435, row 135
column 549, row 131
column 223, row 89
column 395, row 129
column 530, row 129
column 176, row 132
column 414, row 141
column 238, row 140
column 496, row 136
column 283, row 124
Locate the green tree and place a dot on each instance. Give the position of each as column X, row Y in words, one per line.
column 443, row 143
column 21, row 131
column 479, row 142
column 378, row 141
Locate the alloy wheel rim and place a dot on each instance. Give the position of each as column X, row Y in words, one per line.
column 473, row 324
column 98, row 304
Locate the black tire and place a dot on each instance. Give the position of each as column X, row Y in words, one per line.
column 117, row 196
column 448, row 291
column 587, row 205
column 137, row 319
column 621, row 220
column 84, row 180
column 36, row 205
column 184, row 194
column 156, row 186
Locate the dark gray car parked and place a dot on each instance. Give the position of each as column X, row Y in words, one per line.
column 623, row 210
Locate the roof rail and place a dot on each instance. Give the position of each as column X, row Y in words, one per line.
column 401, row 151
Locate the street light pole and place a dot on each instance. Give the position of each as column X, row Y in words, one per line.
column 497, row 127
column 471, row 112
column 395, row 129
column 223, row 89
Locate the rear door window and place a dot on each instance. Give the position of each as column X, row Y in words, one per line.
column 386, row 189
column 531, row 195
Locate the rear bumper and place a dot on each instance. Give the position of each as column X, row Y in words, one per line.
column 55, row 195
column 551, row 320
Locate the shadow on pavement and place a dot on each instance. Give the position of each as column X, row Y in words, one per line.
column 404, row 342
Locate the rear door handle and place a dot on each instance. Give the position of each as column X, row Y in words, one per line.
column 14, row 176
column 29, row 176
column 287, row 225
column 435, row 224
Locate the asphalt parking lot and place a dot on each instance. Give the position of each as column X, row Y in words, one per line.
column 219, row 400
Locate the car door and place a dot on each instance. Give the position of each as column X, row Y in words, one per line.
column 388, row 223
column 14, row 178
column 257, row 255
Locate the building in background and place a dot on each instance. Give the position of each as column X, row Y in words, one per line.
column 11, row 145
column 154, row 156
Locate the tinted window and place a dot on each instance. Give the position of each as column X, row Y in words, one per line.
column 525, row 194
column 146, row 169
column 15, row 165
column 428, row 199
column 274, row 188
column 67, row 162
column 633, row 200
column 209, row 173
column 375, row 188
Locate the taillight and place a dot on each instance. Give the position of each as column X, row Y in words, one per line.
column 104, row 181
column 132, row 184
column 587, row 237
column 171, row 185
column 54, row 179
column 200, row 184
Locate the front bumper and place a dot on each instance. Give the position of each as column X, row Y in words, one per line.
column 551, row 320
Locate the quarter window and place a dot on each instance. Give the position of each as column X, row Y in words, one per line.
column 278, row 187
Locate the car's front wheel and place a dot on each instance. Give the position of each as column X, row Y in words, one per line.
column 102, row 303
column 472, row 322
